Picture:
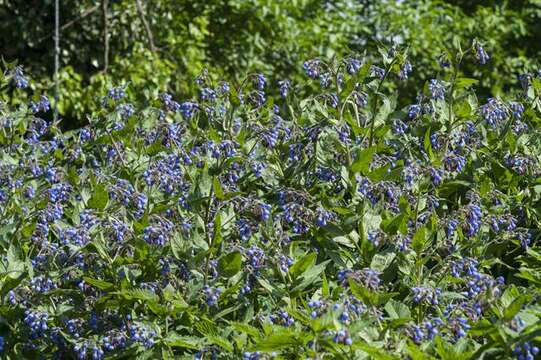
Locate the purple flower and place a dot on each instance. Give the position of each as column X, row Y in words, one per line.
column 21, row 82
column 284, row 85
column 312, row 68
column 437, row 89
column 481, row 54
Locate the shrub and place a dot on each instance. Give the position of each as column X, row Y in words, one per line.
column 239, row 224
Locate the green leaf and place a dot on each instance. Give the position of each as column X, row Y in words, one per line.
column 441, row 348
column 221, row 342
column 186, row 342
column 374, row 352
column 367, row 296
column 416, row 353
column 217, row 238
column 517, row 304
column 398, row 223
column 361, row 292
column 462, row 109
column 324, row 285
column 277, row 341
column 154, row 148
column 310, row 277
column 384, row 110
column 15, row 266
column 245, row 328
column 462, row 83
column 371, row 221
column 100, row 284
column 380, row 262
column 217, row 188
column 428, row 144
column 450, row 187
column 28, row 229
column 419, row 239
column 266, row 285
column 379, row 173
column 397, row 310
column 302, row 264
column 100, row 197
column 362, row 163
column 230, row 264
column 138, row 294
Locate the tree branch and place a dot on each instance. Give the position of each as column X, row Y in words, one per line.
column 145, row 24
column 104, row 5
column 70, row 23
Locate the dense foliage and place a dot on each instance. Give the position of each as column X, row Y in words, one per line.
column 236, row 223
column 234, row 37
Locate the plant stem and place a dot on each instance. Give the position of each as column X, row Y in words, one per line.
column 375, row 104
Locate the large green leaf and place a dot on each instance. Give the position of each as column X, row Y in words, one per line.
column 284, row 339
column 230, row 264
column 99, row 198
column 362, row 162
column 302, row 264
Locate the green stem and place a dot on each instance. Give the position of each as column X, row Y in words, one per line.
column 209, row 240
column 376, row 100
column 451, row 103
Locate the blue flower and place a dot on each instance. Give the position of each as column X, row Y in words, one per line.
column 437, row 89
column 525, row 351
column 377, row 72
column 405, row 70
column 85, row 135
column 414, row 111
column 244, row 228
column 257, row 168
column 42, row 105
column 473, row 220
column 257, row 98
column 352, row 65
column 436, row 176
column 125, row 110
column 270, row 138
column 208, row 94
column 285, row 262
column 37, row 322
column 223, row 87
column 142, row 335
column 425, row 294
column 251, row 355
column 80, row 350
column 517, row 109
column 159, row 233
column 116, row 93
column 264, row 211
column 21, row 82
column 494, row 112
column 255, row 257
column 360, row 98
column 188, row 108
column 260, row 81
column 399, row 127
column 312, row 68
column 342, row 337
column 284, row 85
column 525, row 239
column 481, row 54
column 323, row 216
column 454, row 163
column 283, row 318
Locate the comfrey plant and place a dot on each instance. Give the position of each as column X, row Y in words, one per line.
column 261, row 220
